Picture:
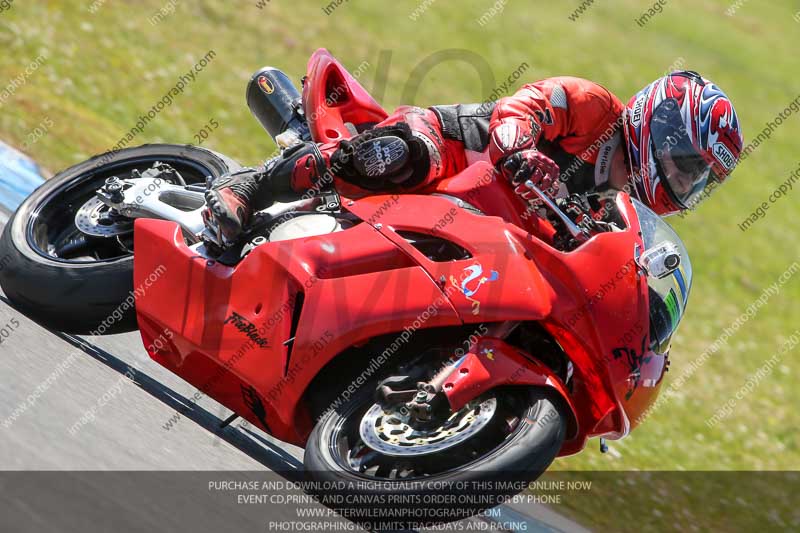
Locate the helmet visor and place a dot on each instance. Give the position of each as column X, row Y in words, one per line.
column 683, row 171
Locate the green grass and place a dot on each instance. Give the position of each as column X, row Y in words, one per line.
column 104, row 69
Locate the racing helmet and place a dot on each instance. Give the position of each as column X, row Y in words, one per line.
column 683, row 139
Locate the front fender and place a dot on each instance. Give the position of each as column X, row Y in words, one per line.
column 492, row 363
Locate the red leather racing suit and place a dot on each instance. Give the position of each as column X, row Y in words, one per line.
column 575, row 122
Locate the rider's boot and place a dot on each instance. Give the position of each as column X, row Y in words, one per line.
column 233, row 198
column 230, row 202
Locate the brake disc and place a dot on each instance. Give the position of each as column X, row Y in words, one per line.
column 93, row 219
column 393, row 432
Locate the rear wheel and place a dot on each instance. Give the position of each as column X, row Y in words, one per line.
column 73, row 281
column 391, row 469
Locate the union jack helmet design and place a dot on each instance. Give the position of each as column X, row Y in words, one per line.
column 683, row 139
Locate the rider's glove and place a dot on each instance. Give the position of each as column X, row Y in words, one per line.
column 382, row 158
column 531, row 165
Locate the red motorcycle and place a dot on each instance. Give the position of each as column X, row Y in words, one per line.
column 413, row 344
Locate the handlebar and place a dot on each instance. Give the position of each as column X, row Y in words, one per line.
column 575, row 232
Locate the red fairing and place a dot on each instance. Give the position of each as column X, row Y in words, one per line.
column 255, row 335
column 368, row 281
column 356, row 285
column 332, row 97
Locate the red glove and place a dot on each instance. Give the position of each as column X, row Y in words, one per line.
column 535, row 166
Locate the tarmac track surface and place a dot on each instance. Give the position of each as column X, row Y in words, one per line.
column 122, row 470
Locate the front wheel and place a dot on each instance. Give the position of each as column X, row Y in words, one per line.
column 78, row 279
column 378, row 466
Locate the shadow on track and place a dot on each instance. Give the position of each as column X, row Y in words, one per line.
column 251, row 444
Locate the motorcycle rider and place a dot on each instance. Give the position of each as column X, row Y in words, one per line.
column 674, row 141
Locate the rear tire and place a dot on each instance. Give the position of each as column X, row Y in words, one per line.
column 78, row 296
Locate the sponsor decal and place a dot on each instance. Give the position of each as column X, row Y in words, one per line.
column 724, row 156
column 246, row 327
column 672, row 307
column 602, row 168
column 679, row 278
column 635, row 362
column 378, row 156
column 254, row 403
column 545, row 117
column 535, row 127
column 605, row 156
column 471, row 283
column 638, row 108
column 488, row 353
column 266, row 85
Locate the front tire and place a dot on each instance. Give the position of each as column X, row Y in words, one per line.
column 64, row 280
column 522, row 456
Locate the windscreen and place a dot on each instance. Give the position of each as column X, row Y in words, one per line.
column 667, row 296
